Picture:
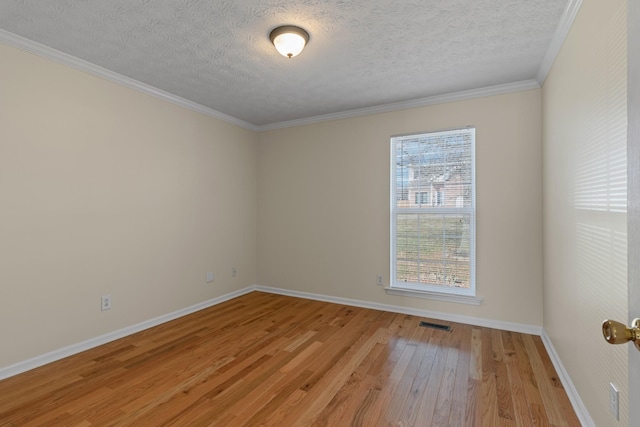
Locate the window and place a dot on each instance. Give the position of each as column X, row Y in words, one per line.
column 433, row 239
column 422, row 198
column 439, row 198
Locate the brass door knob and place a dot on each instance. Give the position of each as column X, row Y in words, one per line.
column 618, row 333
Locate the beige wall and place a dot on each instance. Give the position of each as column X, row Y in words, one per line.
column 105, row 190
column 323, row 191
column 110, row 191
column 584, row 104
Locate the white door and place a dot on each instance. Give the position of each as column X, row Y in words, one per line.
column 633, row 211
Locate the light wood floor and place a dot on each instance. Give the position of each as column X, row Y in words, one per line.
column 264, row 359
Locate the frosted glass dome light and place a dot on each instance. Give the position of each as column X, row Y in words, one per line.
column 289, row 40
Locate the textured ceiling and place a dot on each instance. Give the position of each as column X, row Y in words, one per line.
column 361, row 53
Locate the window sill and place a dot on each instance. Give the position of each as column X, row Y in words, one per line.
column 462, row 299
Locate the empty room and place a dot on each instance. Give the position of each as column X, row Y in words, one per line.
column 339, row 213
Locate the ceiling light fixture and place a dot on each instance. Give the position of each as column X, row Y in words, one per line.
column 289, row 40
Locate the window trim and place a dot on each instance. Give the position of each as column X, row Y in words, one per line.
column 438, row 296
column 438, row 292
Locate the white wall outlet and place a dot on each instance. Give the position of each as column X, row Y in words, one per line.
column 379, row 280
column 105, row 302
column 234, row 272
column 209, row 277
column 614, row 401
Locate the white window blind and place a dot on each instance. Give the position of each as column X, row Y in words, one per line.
column 433, row 212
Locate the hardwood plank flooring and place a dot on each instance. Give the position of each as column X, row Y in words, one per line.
column 271, row 360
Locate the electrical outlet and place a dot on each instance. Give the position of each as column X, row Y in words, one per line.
column 234, row 272
column 379, row 281
column 105, row 302
column 614, row 401
column 209, row 277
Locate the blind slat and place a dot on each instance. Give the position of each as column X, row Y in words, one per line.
column 433, row 210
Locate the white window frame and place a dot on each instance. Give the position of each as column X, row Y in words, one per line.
column 434, row 291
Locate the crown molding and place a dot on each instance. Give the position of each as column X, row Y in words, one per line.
column 559, row 36
column 59, row 57
column 414, row 103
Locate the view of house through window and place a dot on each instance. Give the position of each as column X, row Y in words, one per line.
column 433, row 212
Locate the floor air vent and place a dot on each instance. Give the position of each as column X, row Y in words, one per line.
column 436, row 326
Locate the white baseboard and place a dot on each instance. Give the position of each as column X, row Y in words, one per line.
column 574, row 397
column 476, row 321
column 61, row 353
column 70, row 350
column 578, row 406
